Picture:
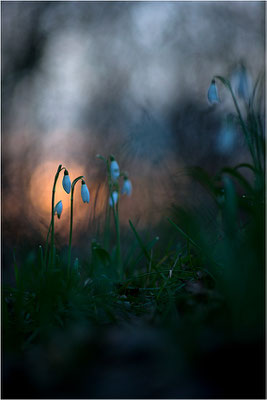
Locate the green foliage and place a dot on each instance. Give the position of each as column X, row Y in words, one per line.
column 233, row 245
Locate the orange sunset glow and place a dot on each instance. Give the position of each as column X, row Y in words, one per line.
column 32, row 185
column 41, row 182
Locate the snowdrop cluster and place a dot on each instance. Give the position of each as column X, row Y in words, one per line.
column 58, row 208
column 240, row 83
column 67, row 186
column 114, row 175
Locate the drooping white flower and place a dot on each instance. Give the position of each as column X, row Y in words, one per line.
column 85, row 192
column 114, row 196
column 226, row 139
column 127, row 187
column 241, row 83
column 66, row 183
column 58, row 209
column 213, row 93
column 114, row 169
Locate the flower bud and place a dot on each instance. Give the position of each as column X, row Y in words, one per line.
column 114, row 169
column 58, row 209
column 66, row 183
column 127, row 187
column 114, row 196
column 241, row 83
column 85, row 193
column 212, row 93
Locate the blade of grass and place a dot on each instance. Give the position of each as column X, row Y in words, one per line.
column 245, row 165
column 243, row 181
column 193, row 243
column 140, row 241
column 184, row 234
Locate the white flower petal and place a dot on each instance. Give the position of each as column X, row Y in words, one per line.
column 225, row 140
column 115, row 196
column 241, row 83
column 127, row 187
column 114, row 170
column 212, row 93
column 66, row 183
column 59, row 208
column 85, row 193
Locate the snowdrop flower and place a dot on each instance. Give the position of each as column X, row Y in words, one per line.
column 241, row 83
column 58, row 209
column 85, row 193
column 170, row 273
column 114, row 196
column 114, row 169
column 212, row 93
column 225, row 140
column 227, row 135
column 66, row 183
column 127, row 187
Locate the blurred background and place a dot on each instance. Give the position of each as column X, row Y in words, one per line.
column 130, row 79
column 127, row 78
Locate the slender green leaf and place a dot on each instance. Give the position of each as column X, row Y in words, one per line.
column 243, row 181
column 183, row 233
column 140, row 241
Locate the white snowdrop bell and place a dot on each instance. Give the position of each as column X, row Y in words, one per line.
column 66, row 183
column 114, row 196
column 114, row 170
column 213, row 93
column 127, row 187
column 58, row 209
column 241, row 83
column 85, row 192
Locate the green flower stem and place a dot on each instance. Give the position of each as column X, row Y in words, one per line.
column 111, row 185
column 52, row 213
column 108, row 206
column 46, row 243
column 107, row 226
column 71, row 219
column 116, row 218
column 117, row 225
